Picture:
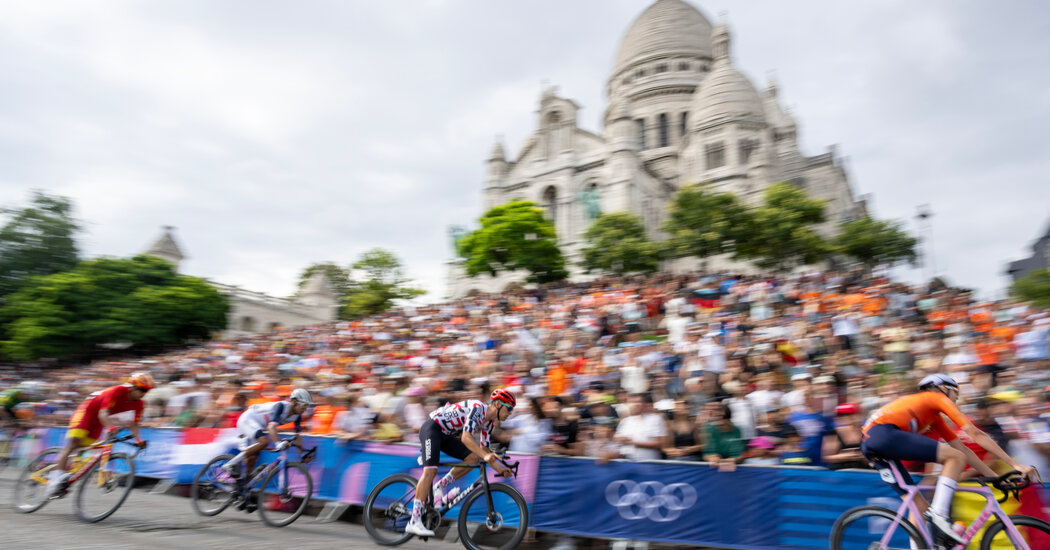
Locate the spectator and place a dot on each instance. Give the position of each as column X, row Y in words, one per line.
column 811, row 426
column 686, row 444
column 842, row 445
column 354, row 422
column 724, row 445
column 791, row 452
column 762, row 452
column 643, row 433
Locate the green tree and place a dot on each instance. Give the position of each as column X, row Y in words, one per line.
column 141, row 301
column 382, row 283
column 616, row 243
column 780, row 234
column 872, row 242
column 1034, row 287
column 36, row 240
column 338, row 277
column 512, row 236
column 703, row 222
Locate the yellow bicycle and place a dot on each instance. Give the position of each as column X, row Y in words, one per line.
column 105, row 480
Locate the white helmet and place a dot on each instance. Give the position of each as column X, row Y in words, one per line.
column 302, row 396
column 938, row 380
column 31, row 388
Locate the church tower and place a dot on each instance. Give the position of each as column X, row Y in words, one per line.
column 166, row 248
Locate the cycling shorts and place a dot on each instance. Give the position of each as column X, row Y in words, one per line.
column 84, row 438
column 433, row 442
column 890, row 442
column 83, row 427
column 251, row 430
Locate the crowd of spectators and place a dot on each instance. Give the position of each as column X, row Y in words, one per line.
column 718, row 368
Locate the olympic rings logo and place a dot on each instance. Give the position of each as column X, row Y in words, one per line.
column 650, row 499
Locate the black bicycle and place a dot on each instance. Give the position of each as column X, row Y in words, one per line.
column 280, row 490
column 491, row 515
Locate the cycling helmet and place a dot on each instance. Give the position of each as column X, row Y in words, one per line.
column 142, row 381
column 504, row 396
column 938, row 380
column 31, row 389
column 302, row 396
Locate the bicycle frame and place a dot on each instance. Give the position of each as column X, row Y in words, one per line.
column 990, row 509
column 82, row 469
column 281, row 462
column 482, row 481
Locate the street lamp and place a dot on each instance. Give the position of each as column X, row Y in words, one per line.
column 924, row 215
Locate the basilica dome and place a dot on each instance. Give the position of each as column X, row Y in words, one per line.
column 666, row 28
column 726, row 94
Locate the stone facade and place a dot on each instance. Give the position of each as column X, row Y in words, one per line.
column 1040, row 258
column 679, row 112
column 254, row 312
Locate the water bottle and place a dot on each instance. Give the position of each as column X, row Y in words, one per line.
column 450, row 496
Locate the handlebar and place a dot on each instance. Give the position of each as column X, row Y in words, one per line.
column 513, row 467
column 1009, row 483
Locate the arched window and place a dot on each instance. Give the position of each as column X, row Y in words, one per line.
column 550, row 203
column 639, row 125
column 665, row 138
column 248, row 324
column 682, row 124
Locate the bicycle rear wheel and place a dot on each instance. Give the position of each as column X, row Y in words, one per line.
column 388, row 509
column 1035, row 531
column 30, row 492
column 105, row 487
column 863, row 527
column 503, row 526
column 285, row 494
column 213, row 489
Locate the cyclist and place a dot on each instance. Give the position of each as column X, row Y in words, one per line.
column 258, row 425
column 894, row 433
column 11, row 398
column 97, row 413
column 451, row 429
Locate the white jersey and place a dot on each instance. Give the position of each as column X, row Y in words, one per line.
column 469, row 415
column 261, row 414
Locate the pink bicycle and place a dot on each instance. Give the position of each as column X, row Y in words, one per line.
column 874, row 527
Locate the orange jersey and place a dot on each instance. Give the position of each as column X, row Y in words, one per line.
column 918, row 413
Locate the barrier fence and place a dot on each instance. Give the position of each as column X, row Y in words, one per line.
column 774, row 508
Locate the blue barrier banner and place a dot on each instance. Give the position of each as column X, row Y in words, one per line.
column 767, row 508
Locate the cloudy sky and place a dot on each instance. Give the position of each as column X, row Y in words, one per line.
column 278, row 134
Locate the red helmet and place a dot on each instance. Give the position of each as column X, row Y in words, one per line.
column 142, row 381
column 505, row 396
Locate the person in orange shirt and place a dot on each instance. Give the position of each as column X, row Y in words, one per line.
column 894, row 433
column 556, row 379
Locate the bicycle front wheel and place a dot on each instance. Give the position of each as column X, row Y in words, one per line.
column 388, row 509
column 105, row 487
column 865, row 527
column 213, row 489
column 30, row 492
column 1035, row 532
column 502, row 526
column 285, row 494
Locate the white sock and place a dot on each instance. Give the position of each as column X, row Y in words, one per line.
column 55, row 476
column 443, row 482
column 942, row 496
column 236, row 460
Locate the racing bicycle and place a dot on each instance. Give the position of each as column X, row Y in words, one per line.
column 106, row 479
column 878, row 528
column 280, row 490
column 491, row 515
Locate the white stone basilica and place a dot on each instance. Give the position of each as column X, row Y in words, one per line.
column 679, row 112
